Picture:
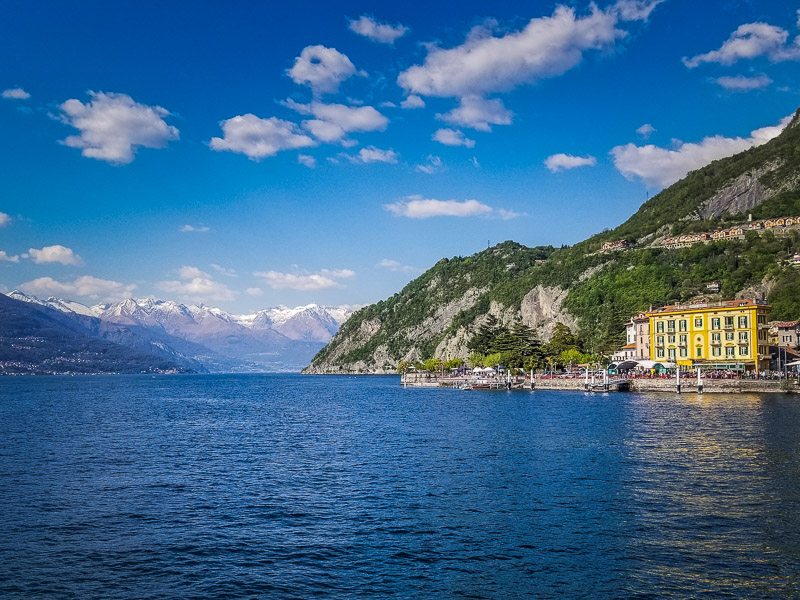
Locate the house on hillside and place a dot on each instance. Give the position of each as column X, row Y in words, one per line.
column 785, row 334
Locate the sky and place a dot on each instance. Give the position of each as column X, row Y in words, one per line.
column 254, row 154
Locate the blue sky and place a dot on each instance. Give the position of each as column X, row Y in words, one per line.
column 249, row 154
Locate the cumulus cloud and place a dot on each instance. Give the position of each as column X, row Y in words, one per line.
column 413, row 101
column 452, row 137
column 395, row 266
column 646, row 130
column 749, row 41
column 306, row 160
column 564, row 162
column 54, row 254
column 254, row 291
column 15, row 94
column 5, row 257
column 194, row 228
column 417, row 207
column 659, row 167
column 4, row 219
column 113, row 127
column 322, row 69
column 332, row 122
column 197, row 285
column 305, row 281
column 740, row 83
column 84, row 287
column 478, row 113
column 371, row 154
column 433, row 164
column 259, row 138
column 485, row 63
column 377, row 32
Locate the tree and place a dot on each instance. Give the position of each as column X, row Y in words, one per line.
column 476, row 359
column 403, row 366
column 493, row 360
column 453, row 363
column 433, row 364
column 571, row 357
column 561, row 341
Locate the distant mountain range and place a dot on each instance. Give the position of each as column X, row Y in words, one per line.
column 194, row 338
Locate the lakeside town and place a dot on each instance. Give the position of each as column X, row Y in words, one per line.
column 724, row 346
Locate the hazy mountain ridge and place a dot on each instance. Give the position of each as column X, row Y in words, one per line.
column 203, row 338
column 595, row 292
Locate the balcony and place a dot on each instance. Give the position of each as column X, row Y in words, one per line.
column 682, row 344
column 716, row 342
column 729, row 326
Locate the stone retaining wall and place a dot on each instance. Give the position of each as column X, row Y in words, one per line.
column 688, row 384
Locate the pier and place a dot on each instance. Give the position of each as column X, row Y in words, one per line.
column 685, row 384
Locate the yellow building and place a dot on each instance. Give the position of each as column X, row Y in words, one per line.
column 728, row 334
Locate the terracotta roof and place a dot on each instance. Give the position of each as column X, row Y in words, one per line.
column 628, row 347
column 786, row 324
column 673, row 308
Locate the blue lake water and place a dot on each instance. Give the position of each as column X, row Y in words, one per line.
column 282, row 486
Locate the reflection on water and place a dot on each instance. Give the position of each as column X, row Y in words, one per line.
column 718, row 515
column 294, row 487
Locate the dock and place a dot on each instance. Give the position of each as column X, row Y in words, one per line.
column 613, row 384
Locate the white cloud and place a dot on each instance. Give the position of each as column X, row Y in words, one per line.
column 507, row 215
column 4, row 257
column 15, row 94
column 475, row 163
column 308, row 161
column 432, row 165
column 322, row 69
column 395, row 266
column 254, row 291
column 377, row 32
column 646, row 130
column 452, row 137
column 659, row 167
column 417, row 207
column 193, row 228
column 85, row 287
column 485, row 64
column 749, row 41
column 305, row 281
column 413, row 101
column 387, row 104
column 4, row 219
column 332, row 122
column 197, row 285
column 478, row 113
column 564, row 162
column 112, row 127
column 634, row 10
column 371, row 154
column 740, row 83
column 224, row 271
column 258, row 138
column 54, row 254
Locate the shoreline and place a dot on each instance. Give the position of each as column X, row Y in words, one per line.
column 687, row 385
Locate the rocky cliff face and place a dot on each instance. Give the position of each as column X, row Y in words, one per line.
column 741, row 195
column 541, row 309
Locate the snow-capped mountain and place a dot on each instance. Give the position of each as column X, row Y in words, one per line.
column 288, row 337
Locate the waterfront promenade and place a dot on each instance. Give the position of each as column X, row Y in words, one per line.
column 669, row 384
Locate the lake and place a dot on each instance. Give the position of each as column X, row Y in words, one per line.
column 284, row 486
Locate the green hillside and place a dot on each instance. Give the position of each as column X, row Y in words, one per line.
column 603, row 290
